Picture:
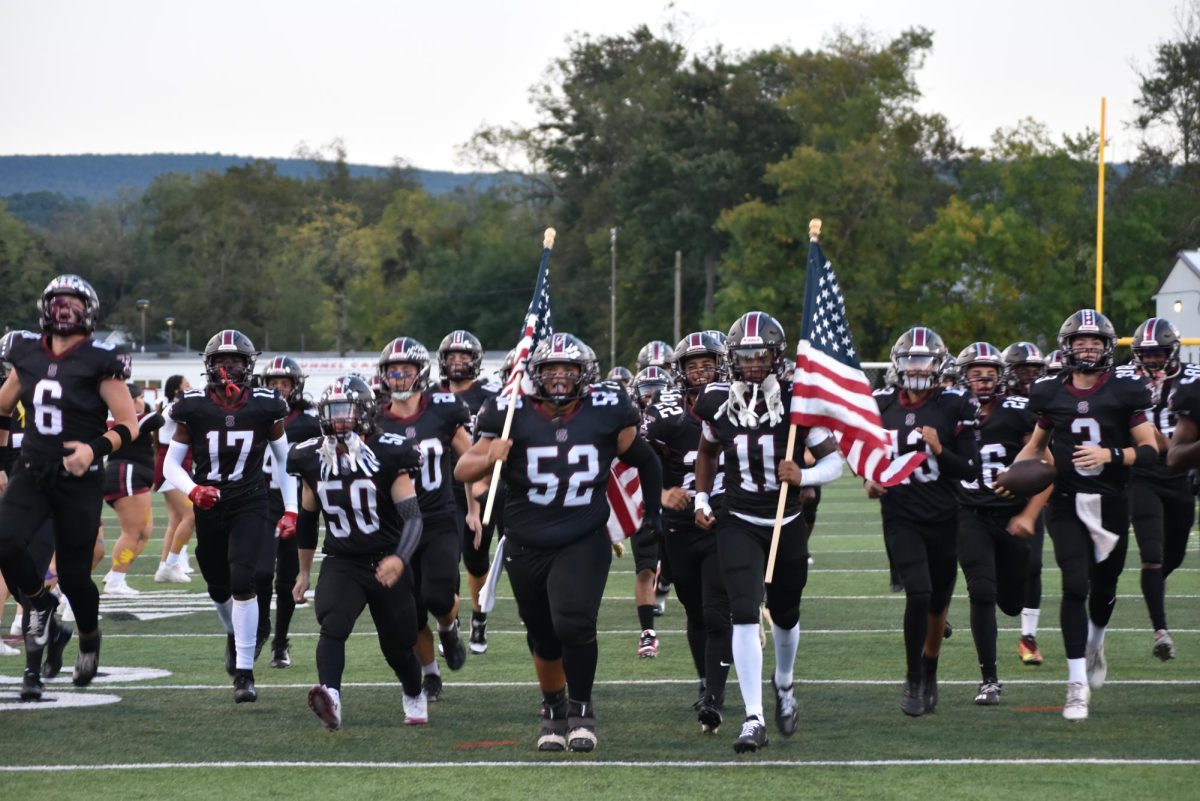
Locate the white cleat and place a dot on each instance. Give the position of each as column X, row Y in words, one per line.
column 326, row 704
column 8, row 650
column 416, row 710
column 1097, row 666
column 171, row 574
column 1076, row 707
column 120, row 591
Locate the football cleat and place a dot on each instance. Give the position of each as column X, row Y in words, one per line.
column 8, row 650
column 552, row 736
column 281, row 655
column 86, row 663
column 581, row 727
column 708, row 712
column 648, row 644
column 31, row 686
column 431, row 684
column 1164, row 646
column 416, row 709
column 1027, row 649
column 230, row 655
column 37, row 623
column 452, row 647
column 326, row 704
column 929, row 692
column 1076, row 707
column 122, row 590
column 478, row 642
column 988, row 693
column 171, row 574
column 54, row 651
column 947, row 631
column 753, row 736
column 243, row 687
column 912, row 700
column 786, row 710
column 1097, row 666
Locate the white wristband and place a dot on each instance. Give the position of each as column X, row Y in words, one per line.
column 702, row 504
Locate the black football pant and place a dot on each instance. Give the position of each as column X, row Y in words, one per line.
column 558, row 593
column 230, row 540
column 646, row 548
column 924, row 555
column 743, row 548
column 1162, row 512
column 345, row 586
column 1089, row 587
column 996, row 566
column 35, row 494
column 696, row 570
column 278, row 564
column 434, row 568
column 476, row 560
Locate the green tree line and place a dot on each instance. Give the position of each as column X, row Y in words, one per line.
column 723, row 157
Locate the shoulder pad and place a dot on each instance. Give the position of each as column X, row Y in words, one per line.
column 96, row 343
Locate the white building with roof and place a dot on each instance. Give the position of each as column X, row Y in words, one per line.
column 1178, row 299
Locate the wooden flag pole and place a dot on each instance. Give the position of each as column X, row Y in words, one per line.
column 814, row 233
column 1100, row 219
column 513, row 394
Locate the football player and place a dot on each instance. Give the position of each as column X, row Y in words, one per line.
column 362, row 482
column 746, row 420
column 919, row 513
column 460, row 358
column 1160, row 499
column 1093, row 420
column 673, row 429
column 127, row 481
column 562, row 442
column 622, row 376
column 173, row 566
column 68, row 383
column 228, row 427
column 437, row 422
column 656, row 353
column 279, row 561
column 994, row 532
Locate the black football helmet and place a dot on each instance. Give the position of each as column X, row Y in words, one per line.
column 591, row 373
column 1023, row 364
column 949, row 373
column 1088, row 322
column 347, row 405
column 1054, row 362
column 229, row 361
column 506, row 367
column 81, row 322
column 405, row 350
column 6, row 343
column 700, row 343
column 561, row 349
column 980, row 354
column 648, row 383
column 621, row 375
column 757, row 334
column 460, row 342
column 918, row 357
column 656, row 353
column 379, row 387
column 285, row 367
column 720, row 336
column 1156, row 347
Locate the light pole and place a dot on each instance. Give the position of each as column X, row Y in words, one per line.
column 612, row 300
column 170, row 334
column 142, row 305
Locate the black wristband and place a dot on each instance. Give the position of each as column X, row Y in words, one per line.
column 101, row 446
column 1118, row 457
column 5, row 422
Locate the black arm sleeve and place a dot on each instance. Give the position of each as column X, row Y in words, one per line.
column 410, row 528
column 643, row 457
column 150, row 424
column 306, row 529
column 960, row 462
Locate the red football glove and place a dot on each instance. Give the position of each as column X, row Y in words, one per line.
column 286, row 528
column 204, row 497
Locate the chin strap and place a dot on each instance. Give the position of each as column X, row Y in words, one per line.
column 230, row 387
column 742, row 411
column 357, row 456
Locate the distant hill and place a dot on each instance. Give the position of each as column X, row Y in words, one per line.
column 96, row 177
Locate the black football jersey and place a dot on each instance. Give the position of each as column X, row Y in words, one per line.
column 928, row 493
column 431, row 429
column 61, row 394
column 300, row 425
column 673, row 428
column 751, row 455
column 1102, row 415
column 141, row 451
column 1002, row 434
column 228, row 442
column 360, row 517
column 556, row 476
column 1163, row 416
column 474, row 396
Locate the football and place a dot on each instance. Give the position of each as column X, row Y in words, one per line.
column 1026, row 478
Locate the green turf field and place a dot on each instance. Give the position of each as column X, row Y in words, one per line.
column 177, row 734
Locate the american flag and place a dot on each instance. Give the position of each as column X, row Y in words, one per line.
column 626, row 509
column 829, row 388
column 538, row 325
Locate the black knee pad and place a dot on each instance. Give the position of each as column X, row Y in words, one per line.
column 476, row 562
column 1075, row 586
column 548, row 651
column 1151, row 552
column 336, row 625
column 742, row 612
column 786, row 620
column 242, row 581
column 574, row 630
column 717, row 620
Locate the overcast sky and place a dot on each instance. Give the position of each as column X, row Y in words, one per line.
column 414, row 80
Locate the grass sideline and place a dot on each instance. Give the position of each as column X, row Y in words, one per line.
column 853, row 741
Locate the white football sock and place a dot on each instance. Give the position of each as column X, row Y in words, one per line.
column 748, row 660
column 787, row 641
column 1029, row 622
column 245, row 631
column 225, row 614
column 1077, row 670
column 431, row 669
column 172, row 559
column 114, row 579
